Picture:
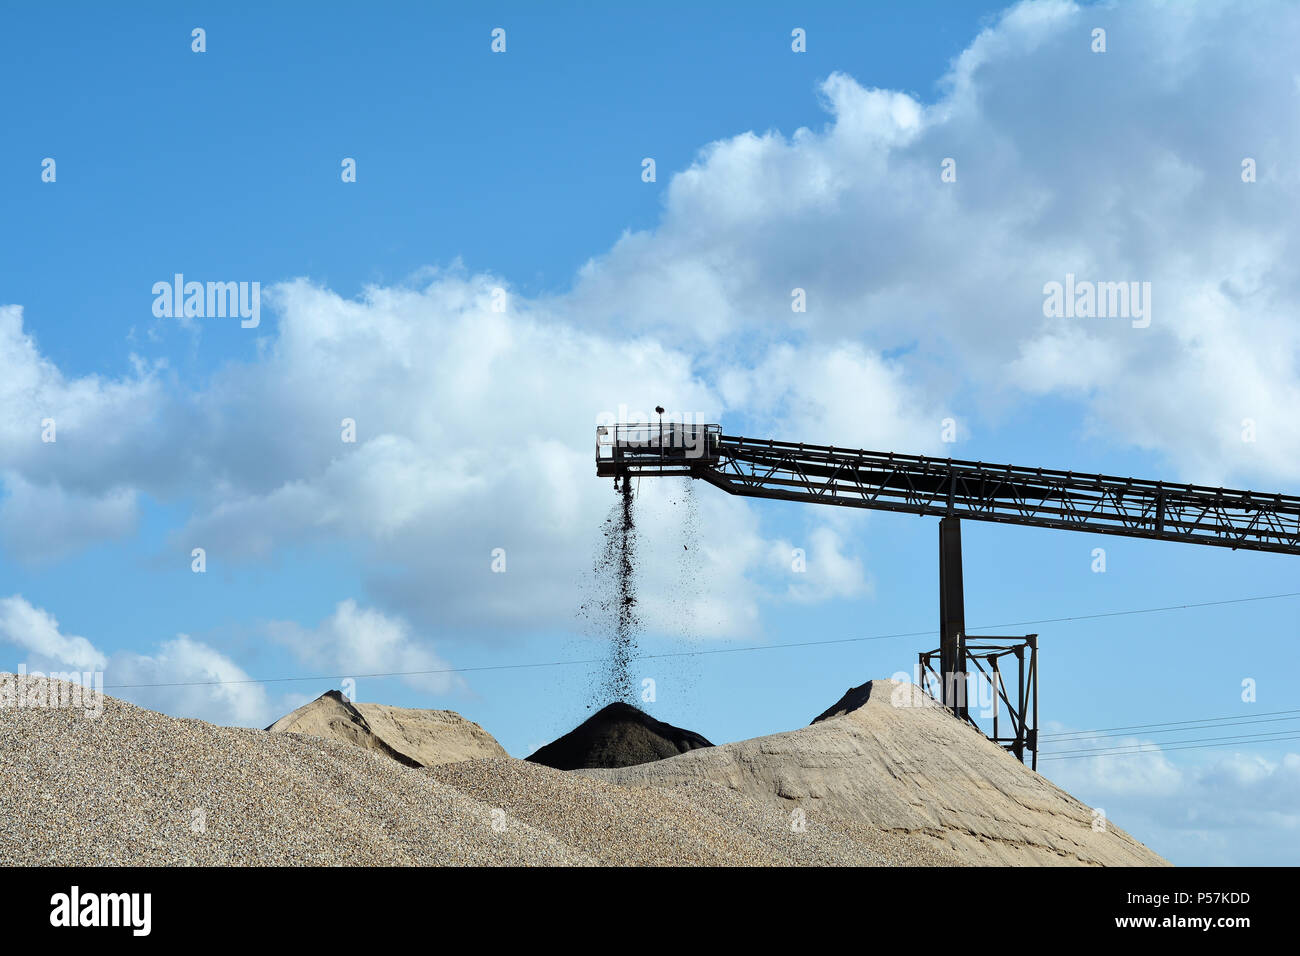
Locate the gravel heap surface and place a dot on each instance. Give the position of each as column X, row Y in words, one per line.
column 137, row 787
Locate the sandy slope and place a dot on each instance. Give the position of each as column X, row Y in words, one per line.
column 418, row 738
column 880, row 758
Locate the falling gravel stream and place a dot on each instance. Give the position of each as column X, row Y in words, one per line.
column 610, row 610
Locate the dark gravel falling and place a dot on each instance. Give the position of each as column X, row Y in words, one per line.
column 610, row 611
column 629, row 623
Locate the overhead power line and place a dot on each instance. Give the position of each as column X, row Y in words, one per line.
column 1069, row 737
column 701, row 652
column 1194, row 740
column 1159, row 748
column 1172, row 727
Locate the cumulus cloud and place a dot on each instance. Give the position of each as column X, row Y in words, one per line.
column 356, row 641
column 842, row 394
column 105, row 433
column 44, row 522
column 187, row 677
column 475, row 431
column 821, row 570
column 37, row 631
column 474, row 426
column 208, row 684
column 1233, row 808
column 1114, row 167
column 204, row 683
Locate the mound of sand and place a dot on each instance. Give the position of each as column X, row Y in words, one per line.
column 417, row 738
column 618, row 735
column 137, row 787
column 887, row 757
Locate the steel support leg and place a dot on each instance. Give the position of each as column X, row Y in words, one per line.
column 1033, row 674
column 952, row 618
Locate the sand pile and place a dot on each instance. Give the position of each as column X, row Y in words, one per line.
column 619, row 735
column 887, row 757
column 417, row 738
column 137, row 787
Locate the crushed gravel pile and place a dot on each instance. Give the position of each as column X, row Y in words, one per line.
column 618, row 735
column 137, row 787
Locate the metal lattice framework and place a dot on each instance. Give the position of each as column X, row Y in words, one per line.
column 948, row 487
column 1022, row 709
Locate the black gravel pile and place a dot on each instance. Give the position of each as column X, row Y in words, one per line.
column 619, row 735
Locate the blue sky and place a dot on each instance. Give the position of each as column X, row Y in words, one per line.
column 522, row 171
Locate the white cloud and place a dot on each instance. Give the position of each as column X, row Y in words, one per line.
column 841, row 394
column 475, row 427
column 42, row 523
column 37, row 631
column 356, row 641
column 475, row 431
column 206, row 684
column 212, row 687
column 1114, row 167
column 1233, row 808
column 106, row 432
column 827, row 571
